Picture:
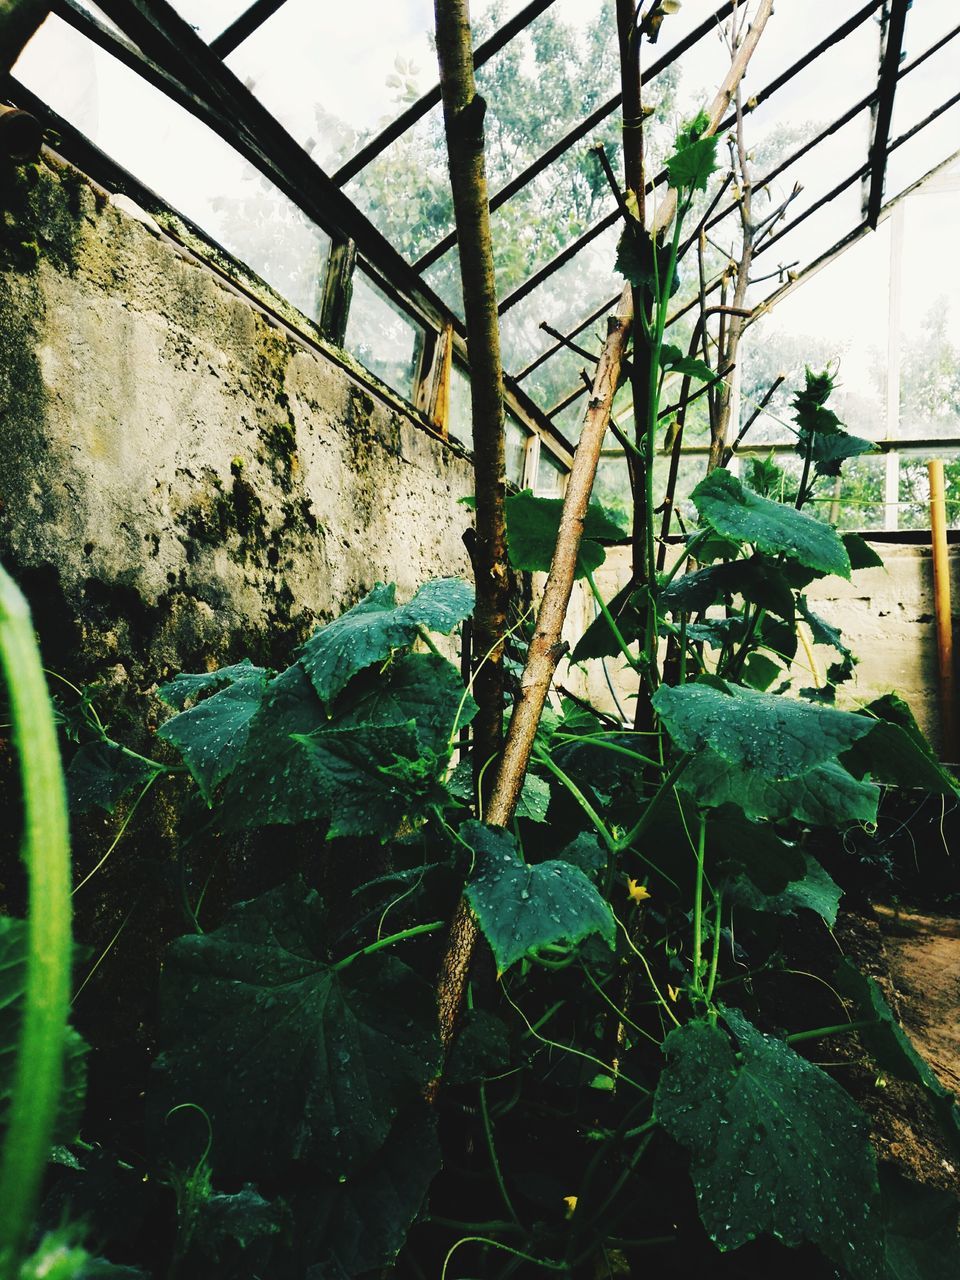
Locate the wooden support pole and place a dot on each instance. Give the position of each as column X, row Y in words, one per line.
column 943, row 613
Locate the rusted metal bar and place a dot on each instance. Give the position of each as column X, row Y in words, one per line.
column 886, row 90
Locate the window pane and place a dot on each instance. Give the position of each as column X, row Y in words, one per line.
column 381, row 336
column 179, row 158
column 461, row 413
column 551, row 477
column 915, row 489
column 562, row 300
column 515, row 446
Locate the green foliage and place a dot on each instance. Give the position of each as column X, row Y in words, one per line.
column 521, row 908
column 212, row 735
column 102, row 773
column 775, row 1144
column 774, row 737
column 532, row 525
column 370, row 631
column 353, row 1043
column 737, row 513
column 13, row 975
column 695, row 157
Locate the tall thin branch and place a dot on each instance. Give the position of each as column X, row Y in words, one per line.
column 463, row 114
column 546, row 647
column 544, row 653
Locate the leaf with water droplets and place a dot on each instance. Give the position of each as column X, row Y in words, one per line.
column 370, row 631
column 521, row 907
column 776, row 1146
column 211, row 736
column 294, row 1061
column 767, row 734
column 185, row 687
column 823, row 796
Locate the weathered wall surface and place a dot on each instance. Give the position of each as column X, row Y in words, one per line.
column 183, row 481
column 886, row 616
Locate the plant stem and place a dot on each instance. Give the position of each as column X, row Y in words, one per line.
column 609, row 619
column 402, row 936
column 656, row 800
column 715, row 957
column 841, row 1028
column 698, row 911
column 37, row 1076
column 602, row 830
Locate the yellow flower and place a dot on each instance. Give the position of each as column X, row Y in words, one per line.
column 638, row 892
column 673, row 992
column 570, row 1203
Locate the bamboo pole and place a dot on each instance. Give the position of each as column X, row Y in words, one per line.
column 943, row 612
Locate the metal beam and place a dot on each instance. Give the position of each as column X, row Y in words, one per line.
column 245, row 25
column 584, row 127
column 886, row 90
column 417, row 110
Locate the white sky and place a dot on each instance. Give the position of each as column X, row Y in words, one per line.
column 312, row 55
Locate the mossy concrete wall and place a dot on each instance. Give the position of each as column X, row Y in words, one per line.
column 182, row 480
column 886, row 616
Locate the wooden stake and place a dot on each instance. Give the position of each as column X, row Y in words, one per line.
column 943, row 613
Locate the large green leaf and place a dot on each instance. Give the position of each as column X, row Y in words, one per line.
column 274, row 779
column 896, row 751
column 757, row 579
column 890, row 1045
column 292, row 1059
column 814, row 889
column 357, row 1226
column 824, row 796
column 371, row 776
column 417, row 686
column 776, row 1146
column 690, row 167
column 211, row 736
column 920, row 1229
column 13, row 972
column 532, row 526
column 831, row 451
column 101, row 774
column 186, row 688
column 521, row 908
column 734, row 511
column 370, row 631
column 768, row 734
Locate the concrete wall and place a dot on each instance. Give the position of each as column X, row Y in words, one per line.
column 886, row 616
column 183, row 480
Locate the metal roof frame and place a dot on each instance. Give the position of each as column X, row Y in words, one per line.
column 163, row 48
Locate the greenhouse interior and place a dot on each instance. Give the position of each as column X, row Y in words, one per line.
column 508, row 455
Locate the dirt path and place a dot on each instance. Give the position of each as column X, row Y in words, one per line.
column 923, row 954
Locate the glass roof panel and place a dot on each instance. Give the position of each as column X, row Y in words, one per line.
column 927, row 21
column 335, row 82
column 923, row 90
column 924, row 151
column 562, row 300
column 788, row 35
column 172, row 153
column 209, row 17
